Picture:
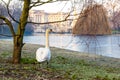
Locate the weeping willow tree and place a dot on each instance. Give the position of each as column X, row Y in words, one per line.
column 92, row 21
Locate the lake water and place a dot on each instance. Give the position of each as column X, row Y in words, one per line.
column 102, row 45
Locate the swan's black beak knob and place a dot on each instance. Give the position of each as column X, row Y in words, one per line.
column 50, row 30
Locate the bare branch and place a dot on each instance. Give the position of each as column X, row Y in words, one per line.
column 6, row 35
column 50, row 22
column 38, row 3
column 9, row 24
column 3, row 24
column 65, row 19
column 7, row 6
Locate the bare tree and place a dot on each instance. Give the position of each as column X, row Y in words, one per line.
column 22, row 22
column 116, row 20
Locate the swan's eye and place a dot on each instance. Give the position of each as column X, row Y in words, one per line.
column 51, row 30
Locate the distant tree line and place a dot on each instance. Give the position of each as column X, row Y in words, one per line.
column 116, row 20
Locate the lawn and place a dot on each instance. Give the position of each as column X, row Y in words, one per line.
column 64, row 65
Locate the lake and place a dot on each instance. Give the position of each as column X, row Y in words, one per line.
column 103, row 45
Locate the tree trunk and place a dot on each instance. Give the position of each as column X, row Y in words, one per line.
column 18, row 44
column 18, row 38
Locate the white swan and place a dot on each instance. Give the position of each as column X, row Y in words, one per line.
column 44, row 54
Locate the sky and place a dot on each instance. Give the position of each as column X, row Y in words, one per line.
column 55, row 7
column 64, row 6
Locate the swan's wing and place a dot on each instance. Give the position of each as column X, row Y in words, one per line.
column 43, row 54
column 48, row 54
column 39, row 55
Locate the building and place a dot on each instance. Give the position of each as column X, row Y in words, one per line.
column 60, row 26
column 40, row 16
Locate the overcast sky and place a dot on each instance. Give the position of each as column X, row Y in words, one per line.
column 55, row 7
column 64, row 5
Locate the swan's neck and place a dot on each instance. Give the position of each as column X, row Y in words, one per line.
column 47, row 39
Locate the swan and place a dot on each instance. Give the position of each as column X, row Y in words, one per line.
column 44, row 54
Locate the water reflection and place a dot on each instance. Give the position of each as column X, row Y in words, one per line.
column 102, row 45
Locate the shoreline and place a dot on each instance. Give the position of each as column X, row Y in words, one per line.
column 9, row 41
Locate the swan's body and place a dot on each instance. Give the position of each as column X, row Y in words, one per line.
column 44, row 54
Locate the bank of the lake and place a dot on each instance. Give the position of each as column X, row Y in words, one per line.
column 64, row 65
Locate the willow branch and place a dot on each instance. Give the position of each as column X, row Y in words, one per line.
column 9, row 24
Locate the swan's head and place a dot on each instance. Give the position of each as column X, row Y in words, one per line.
column 49, row 30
